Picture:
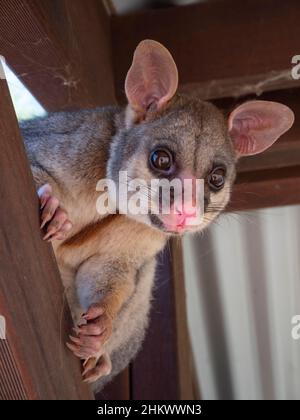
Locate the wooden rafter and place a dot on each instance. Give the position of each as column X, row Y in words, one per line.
column 226, row 45
column 34, row 361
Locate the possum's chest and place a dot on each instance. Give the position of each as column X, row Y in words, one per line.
column 114, row 236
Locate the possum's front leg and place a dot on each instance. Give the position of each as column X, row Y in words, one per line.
column 103, row 286
column 52, row 215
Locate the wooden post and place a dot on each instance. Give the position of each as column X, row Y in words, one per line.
column 34, row 362
column 163, row 369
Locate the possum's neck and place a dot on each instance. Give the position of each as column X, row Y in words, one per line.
column 95, row 137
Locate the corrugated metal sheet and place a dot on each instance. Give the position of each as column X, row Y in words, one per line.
column 243, row 287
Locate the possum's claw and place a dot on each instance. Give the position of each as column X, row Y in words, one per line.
column 94, row 368
column 85, row 346
column 98, row 323
column 52, row 215
column 93, row 334
column 89, row 343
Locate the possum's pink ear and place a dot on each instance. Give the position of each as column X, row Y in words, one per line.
column 256, row 125
column 152, row 78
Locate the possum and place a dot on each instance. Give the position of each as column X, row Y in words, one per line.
column 107, row 261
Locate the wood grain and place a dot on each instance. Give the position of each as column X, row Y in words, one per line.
column 227, row 44
column 11, row 382
column 60, row 49
column 118, row 388
column 185, row 365
column 154, row 373
column 37, row 363
column 266, row 188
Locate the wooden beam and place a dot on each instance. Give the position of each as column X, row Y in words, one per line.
column 156, row 373
column 60, row 49
column 266, row 188
column 118, row 388
column 230, row 43
column 64, row 65
column 186, row 371
column 241, row 86
column 34, row 361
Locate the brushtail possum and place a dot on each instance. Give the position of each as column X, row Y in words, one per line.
column 107, row 262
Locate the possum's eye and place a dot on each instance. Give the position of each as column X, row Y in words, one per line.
column 216, row 179
column 161, row 160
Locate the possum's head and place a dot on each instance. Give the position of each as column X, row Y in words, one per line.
column 167, row 136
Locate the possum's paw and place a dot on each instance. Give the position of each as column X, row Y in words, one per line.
column 93, row 334
column 94, row 369
column 52, row 215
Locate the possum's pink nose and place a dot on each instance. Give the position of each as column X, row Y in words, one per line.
column 187, row 214
column 178, row 220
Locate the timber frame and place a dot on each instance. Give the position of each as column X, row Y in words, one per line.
column 75, row 54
